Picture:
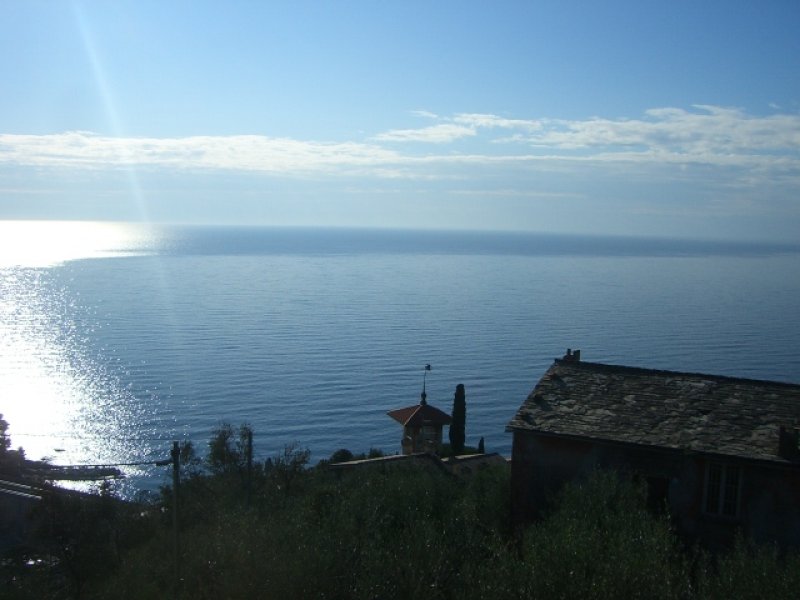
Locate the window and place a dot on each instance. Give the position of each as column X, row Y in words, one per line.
column 723, row 490
column 429, row 432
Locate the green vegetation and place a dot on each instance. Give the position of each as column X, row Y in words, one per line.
column 447, row 451
column 5, row 441
column 344, row 455
column 283, row 530
column 10, row 460
column 459, row 420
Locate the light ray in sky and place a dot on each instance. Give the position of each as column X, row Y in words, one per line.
column 112, row 115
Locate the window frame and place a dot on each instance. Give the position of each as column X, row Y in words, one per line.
column 715, row 500
column 429, row 432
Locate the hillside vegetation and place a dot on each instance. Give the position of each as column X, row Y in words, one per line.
column 288, row 531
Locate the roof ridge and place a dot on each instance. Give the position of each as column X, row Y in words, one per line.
column 644, row 370
column 413, row 410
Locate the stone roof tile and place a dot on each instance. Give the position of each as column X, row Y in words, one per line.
column 682, row 411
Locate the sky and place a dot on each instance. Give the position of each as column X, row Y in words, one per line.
column 645, row 118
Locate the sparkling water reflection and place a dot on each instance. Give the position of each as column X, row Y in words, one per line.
column 159, row 334
column 62, row 405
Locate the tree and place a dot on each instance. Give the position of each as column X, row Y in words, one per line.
column 341, row 455
column 11, row 461
column 5, row 441
column 288, row 465
column 227, row 449
column 458, row 424
column 191, row 464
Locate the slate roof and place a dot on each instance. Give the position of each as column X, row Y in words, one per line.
column 420, row 414
column 681, row 411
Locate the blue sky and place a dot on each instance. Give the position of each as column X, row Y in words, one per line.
column 639, row 118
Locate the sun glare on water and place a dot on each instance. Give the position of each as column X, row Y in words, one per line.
column 48, row 243
column 52, row 392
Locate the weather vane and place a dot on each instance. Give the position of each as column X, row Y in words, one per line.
column 424, row 396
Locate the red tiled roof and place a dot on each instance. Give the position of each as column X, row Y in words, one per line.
column 420, row 414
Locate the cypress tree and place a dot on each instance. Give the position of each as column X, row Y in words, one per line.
column 458, row 425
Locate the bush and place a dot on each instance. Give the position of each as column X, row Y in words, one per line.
column 600, row 542
column 227, row 449
column 401, row 532
column 341, row 455
column 750, row 571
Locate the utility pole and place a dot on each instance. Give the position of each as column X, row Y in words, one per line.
column 175, row 459
column 176, row 481
column 249, row 463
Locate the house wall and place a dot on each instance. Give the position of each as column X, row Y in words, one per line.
column 769, row 496
column 421, row 441
column 771, row 504
column 541, row 465
column 14, row 522
column 409, row 441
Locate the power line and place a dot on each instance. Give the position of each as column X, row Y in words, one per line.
column 110, row 465
column 70, row 436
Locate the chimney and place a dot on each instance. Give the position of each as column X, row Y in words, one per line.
column 788, row 443
column 571, row 356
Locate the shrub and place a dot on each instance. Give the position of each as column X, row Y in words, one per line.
column 750, row 571
column 341, row 455
column 600, row 542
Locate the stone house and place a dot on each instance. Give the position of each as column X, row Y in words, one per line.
column 17, row 500
column 720, row 452
column 422, row 427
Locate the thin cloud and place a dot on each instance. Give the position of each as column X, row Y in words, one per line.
column 512, row 192
column 462, row 125
column 436, row 134
column 711, row 132
column 425, row 114
column 249, row 153
column 661, row 138
column 477, row 120
column 707, row 134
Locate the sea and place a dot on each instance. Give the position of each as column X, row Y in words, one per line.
column 118, row 339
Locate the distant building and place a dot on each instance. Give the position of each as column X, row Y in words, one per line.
column 469, row 464
column 462, row 466
column 721, row 452
column 422, row 426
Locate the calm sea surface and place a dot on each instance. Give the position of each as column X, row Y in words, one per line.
column 115, row 340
